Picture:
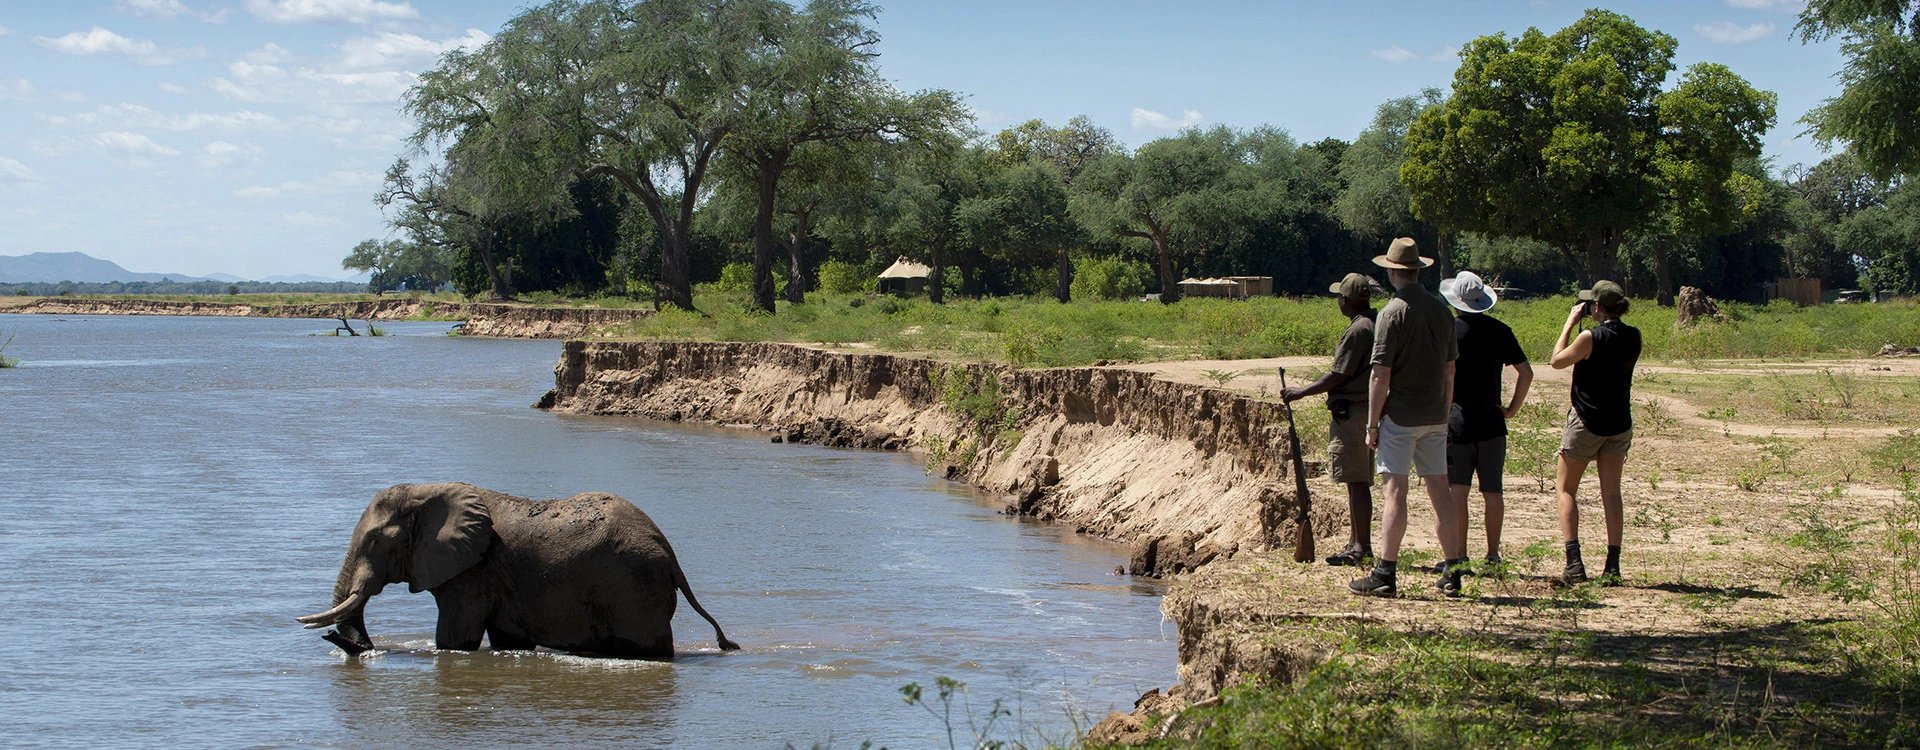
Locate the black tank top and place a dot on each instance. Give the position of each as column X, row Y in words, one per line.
column 1603, row 382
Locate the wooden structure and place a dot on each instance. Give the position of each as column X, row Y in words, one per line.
column 905, row 278
column 1803, row 292
column 1229, row 287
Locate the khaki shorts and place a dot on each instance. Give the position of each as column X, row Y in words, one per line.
column 1421, row 447
column 1580, row 443
column 1349, row 460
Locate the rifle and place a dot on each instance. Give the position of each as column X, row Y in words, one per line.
column 1302, row 521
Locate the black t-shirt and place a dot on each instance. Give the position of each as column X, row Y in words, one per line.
column 1603, row 382
column 1487, row 346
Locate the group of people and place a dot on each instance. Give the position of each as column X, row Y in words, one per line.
column 1419, row 387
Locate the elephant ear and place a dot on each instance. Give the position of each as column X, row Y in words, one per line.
column 451, row 531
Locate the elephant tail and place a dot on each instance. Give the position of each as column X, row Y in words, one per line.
column 680, row 582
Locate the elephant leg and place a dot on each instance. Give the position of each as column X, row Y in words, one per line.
column 461, row 625
column 508, row 641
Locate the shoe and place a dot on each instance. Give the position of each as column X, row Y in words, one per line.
column 1449, row 583
column 1575, row 574
column 1610, row 578
column 1494, row 560
column 1375, row 585
column 1352, row 557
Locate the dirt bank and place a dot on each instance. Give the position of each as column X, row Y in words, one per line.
column 498, row 320
column 1114, row 452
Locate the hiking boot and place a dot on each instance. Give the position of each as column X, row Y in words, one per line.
column 1575, row 574
column 1450, row 572
column 1610, row 578
column 1375, row 584
column 1353, row 556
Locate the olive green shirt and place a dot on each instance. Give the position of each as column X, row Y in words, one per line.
column 1413, row 336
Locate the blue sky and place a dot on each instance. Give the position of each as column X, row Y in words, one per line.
column 249, row 136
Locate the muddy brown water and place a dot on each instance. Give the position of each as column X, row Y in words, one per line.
column 173, row 491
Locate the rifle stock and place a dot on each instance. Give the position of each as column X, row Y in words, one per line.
column 1303, row 520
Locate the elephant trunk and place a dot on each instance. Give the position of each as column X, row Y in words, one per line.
column 356, row 583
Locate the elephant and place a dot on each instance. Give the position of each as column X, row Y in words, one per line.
column 589, row 574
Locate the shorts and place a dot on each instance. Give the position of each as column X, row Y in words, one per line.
column 1349, row 460
column 1580, row 443
column 1423, row 447
column 1487, row 458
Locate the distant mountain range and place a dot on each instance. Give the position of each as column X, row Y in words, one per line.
column 81, row 268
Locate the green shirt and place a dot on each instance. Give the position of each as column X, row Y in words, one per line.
column 1413, row 336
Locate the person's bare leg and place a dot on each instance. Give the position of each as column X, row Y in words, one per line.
column 1460, row 493
column 1449, row 523
column 1567, row 483
column 1496, row 503
column 1393, row 518
column 1360, row 515
column 1611, row 466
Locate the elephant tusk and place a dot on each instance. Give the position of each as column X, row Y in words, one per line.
column 331, row 616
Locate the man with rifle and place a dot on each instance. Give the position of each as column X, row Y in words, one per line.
column 1349, row 460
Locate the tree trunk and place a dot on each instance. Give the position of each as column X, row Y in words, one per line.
column 1169, row 286
column 675, row 286
column 966, row 280
column 498, row 284
column 1602, row 248
column 1662, row 275
column 1443, row 252
column 770, row 163
column 937, row 279
column 799, row 282
column 1063, row 289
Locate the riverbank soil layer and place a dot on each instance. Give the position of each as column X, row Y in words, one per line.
column 489, row 319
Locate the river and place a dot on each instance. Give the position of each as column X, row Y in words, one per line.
column 173, row 491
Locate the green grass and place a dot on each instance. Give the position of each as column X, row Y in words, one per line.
column 1042, row 332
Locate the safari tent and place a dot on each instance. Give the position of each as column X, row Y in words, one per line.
column 905, row 278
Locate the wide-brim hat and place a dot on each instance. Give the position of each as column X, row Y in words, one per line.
column 1466, row 292
column 1403, row 254
column 1607, row 293
column 1356, row 286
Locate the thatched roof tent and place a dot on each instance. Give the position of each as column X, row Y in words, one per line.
column 906, row 269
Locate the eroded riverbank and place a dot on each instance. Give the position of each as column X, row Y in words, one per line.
column 489, row 319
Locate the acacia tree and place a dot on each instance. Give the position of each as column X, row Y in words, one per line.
column 1880, row 83
column 1557, row 137
column 1179, row 193
column 815, row 81
column 448, row 205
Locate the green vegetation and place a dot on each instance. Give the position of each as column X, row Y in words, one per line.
column 6, row 361
column 1827, row 397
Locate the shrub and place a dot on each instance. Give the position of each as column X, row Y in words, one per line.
column 1109, row 278
column 841, row 278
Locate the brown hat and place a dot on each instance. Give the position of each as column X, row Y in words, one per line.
column 1403, row 254
column 1356, row 287
column 1607, row 293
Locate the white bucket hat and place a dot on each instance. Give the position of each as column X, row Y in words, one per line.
column 1468, row 293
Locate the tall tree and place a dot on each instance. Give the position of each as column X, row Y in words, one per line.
column 1021, row 220
column 1374, row 201
column 815, row 80
column 1558, row 137
column 1879, row 100
column 1178, row 193
column 1710, row 122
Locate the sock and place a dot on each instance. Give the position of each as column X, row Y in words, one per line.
column 1573, row 552
column 1613, row 558
column 1385, row 568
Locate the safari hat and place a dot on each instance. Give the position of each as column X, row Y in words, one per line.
column 1468, row 293
column 1607, row 293
column 1356, row 286
column 1403, row 254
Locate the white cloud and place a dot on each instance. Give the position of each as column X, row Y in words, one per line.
column 339, row 180
column 350, row 11
column 17, row 90
column 162, row 9
column 1395, row 54
column 13, row 172
column 132, row 149
column 252, row 82
column 306, row 219
column 99, row 41
column 1728, row 32
column 221, row 154
column 1155, row 122
column 174, row 88
column 142, row 117
column 387, row 50
column 4, row 31
column 1784, row 6
column 268, row 54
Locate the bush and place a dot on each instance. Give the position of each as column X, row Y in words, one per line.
column 1110, row 278
column 735, row 278
column 841, row 278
